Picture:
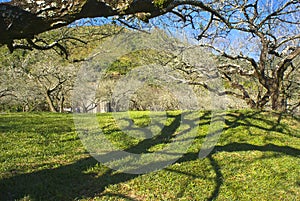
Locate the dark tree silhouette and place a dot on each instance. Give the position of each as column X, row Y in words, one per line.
column 25, row 19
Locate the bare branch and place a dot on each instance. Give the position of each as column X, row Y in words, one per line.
column 283, row 64
column 277, row 12
column 235, row 69
column 291, row 38
column 233, row 57
column 206, row 28
column 48, row 47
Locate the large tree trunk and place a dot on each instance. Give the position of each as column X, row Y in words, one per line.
column 61, row 103
column 60, row 100
column 277, row 98
column 50, row 102
column 24, row 19
column 276, row 101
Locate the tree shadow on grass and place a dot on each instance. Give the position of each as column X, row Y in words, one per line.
column 233, row 147
column 64, row 183
column 73, row 181
column 258, row 120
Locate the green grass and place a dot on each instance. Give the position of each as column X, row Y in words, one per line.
column 256, row 158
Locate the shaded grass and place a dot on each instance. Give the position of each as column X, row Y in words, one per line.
column 256, row 158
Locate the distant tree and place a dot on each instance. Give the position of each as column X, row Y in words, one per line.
column 39, row 80
column 32, row 78
column 54, row 77
column 7, row 88
column 20, row 94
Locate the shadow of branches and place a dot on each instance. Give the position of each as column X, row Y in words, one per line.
column 71, row 182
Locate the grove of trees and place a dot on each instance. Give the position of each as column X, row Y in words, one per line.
column 256, row 44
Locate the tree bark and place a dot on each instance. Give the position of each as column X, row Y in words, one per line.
column 61, row 103
column 50, row 102
column 24, row 19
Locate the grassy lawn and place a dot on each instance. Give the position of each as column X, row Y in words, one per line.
column 256, row 158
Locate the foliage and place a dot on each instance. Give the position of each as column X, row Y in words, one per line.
column 161, row 3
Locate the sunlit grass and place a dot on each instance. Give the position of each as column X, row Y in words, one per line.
column 256, row 158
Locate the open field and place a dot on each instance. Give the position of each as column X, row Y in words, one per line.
column 256, row 158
